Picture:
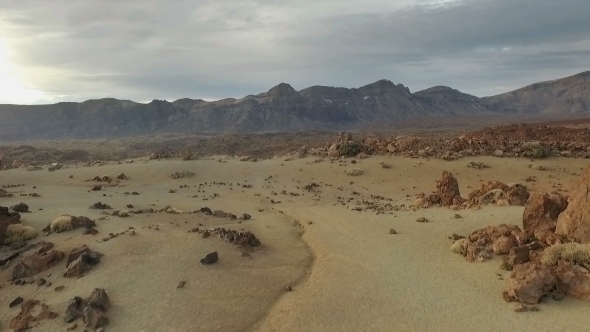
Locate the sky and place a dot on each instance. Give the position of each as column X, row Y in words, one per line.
column 72, row 50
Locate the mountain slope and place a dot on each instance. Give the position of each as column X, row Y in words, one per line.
column 381, row 104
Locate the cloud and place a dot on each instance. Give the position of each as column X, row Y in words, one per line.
column 143, row 50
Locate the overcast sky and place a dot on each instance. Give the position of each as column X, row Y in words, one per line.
column 73, row 50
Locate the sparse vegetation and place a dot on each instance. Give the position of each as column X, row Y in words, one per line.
column 349, row 148
column 61, row 224
column 575, row 253
column 354, row 172
column 477, row 164
column 458, row 246
column 19, row 232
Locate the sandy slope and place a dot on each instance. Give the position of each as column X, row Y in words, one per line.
column 362, row 279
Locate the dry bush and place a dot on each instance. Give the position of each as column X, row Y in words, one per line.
column 19, row 232
column 61, row 224
column 354, row 172
column 575, row 253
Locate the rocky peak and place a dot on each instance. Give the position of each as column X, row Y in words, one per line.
column 282, row 90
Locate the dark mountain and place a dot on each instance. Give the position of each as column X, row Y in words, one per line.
column 382, row 104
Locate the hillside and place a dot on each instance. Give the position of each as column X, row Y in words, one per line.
column 382, row 105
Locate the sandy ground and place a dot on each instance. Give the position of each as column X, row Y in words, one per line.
column 347, row 272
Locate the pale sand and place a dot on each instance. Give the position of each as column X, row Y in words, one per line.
column 362, row 278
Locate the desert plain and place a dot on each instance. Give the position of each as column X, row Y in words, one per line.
column 336, row 253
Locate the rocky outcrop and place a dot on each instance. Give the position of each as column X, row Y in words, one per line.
column 36, row 263
column 541, row 212
column 528, row 283
column 447, row 190
column 574, row 221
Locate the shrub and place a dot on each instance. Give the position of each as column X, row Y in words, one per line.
column 349, row 148
column 354, row 172
column 19, row 232
column 575, row 253
column 458, row 246
column 61, row 224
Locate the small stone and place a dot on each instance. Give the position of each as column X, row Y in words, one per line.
column 132, row 233
column 59, row 288
column 41, row 282
column 457, row 216
column 15, row 302
column 181, row 284
column 392, row 231
column 210, row 258
column 422, row 219
column 558, row 297
column 289, row 288
column 72, row 327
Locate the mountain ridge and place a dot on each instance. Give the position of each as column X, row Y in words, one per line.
column 282, row 108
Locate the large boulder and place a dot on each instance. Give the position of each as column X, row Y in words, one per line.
column 541, row 212
column 91, row 310
column 574, row 222
column 572, row 281
column 81, row 260
column 528, row 283
column 7, row 219
column 448, row 190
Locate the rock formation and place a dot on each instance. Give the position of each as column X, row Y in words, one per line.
column 574, row 221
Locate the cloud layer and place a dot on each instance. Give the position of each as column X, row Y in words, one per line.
column 143, row 50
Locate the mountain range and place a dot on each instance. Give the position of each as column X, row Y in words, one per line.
column 383, row 105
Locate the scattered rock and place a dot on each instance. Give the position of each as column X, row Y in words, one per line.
column 503, row 245
column 210, row 258
column 422, row 219
column 80, row 260
column 29, row 314
column 182, row 174
column 392, row 231
column 20, row 207
column 15, row 302
column 89, row 231
column 91, row 310
column 122, row 176
column 100, row 206
column 181, row 284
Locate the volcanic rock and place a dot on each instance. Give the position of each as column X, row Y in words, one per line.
column 21, row 322
column 100, row 206
column 574, row 221
column 81, row 260
column 448, row 190
column 20, row 207
column 541, row 212
column 210, row 258
column 91, row 310
column 528, row 283
column 571, row 281
column 36, row 263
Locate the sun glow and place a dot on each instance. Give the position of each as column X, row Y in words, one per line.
column 13, row 89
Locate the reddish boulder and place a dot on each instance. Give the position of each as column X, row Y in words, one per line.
column 571, row 281
column 574, row 222
column 36, row 263
column 528, row 283
column 518, row 195
column 541, row 212
column 448, row 189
